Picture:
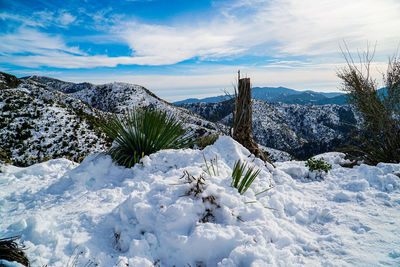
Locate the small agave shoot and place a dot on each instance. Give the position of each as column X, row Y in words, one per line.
column 138, row 133
column 241, row 179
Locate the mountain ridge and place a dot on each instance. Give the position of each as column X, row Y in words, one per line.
column 116, row 97
column 280, row 94
column 301, row 130
column 39, row 122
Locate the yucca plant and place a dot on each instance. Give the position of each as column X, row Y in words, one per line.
column 138, row 133
column 242, row 183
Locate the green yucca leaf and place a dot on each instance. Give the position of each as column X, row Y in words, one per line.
column 242, row 183
column 237, row 173
column 138, row 133
column 252, row 177
column 245, row 179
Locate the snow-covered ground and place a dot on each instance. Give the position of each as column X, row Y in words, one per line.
column 99, row 213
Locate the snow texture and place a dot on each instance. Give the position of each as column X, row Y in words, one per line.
column 95, row 212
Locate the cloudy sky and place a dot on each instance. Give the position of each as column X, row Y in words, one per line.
column 182, row 48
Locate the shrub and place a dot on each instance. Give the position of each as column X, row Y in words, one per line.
column 142, row 132
column 242, row 183
column 206, row 140
column 378, row 139
column 318, row 165
column 197, row 184
column 4, row 158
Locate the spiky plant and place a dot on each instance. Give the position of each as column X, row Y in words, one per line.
column 242, row 183
column 138, row 133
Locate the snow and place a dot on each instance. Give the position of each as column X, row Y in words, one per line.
column 275, row 154
column 99, row 213
column 10, row 264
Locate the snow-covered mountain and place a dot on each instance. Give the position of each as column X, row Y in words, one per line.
column 301, row 130
column 38, row 121
column 283, row 95
column 117, row 97
column 171, row 209
column 52, row 83
column 37, row 124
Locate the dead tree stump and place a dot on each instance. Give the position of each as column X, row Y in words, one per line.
column 242, row 120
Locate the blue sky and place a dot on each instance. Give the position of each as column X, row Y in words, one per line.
column 180, row 49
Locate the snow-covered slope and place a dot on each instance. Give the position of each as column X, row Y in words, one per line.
column 117, row 97
column 303, row 131
column 323, row 127
column 98, row 214
column 55, row 84
column 38, row 121
column 37, row 124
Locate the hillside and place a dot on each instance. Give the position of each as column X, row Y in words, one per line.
column 38, row 121
column 55, row 84
column 301, row 130
column 37, row 124
column 99, row 214
column 282, row 95
column 117, row 97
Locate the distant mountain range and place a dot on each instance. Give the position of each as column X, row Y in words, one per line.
column 281, row 95
column 301, row 130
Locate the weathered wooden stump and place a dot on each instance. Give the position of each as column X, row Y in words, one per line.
column 243, row 119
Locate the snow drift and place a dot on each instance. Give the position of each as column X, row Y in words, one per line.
column 99, row 213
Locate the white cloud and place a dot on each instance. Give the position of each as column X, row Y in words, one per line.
column 23, row 20
column 274, row 28
column 157, row 44
column 65, row 18
column 277, row 28
column 310, row 27
column 29, row 47
column 28, row 40
column 60, row 18
column 68, row 61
